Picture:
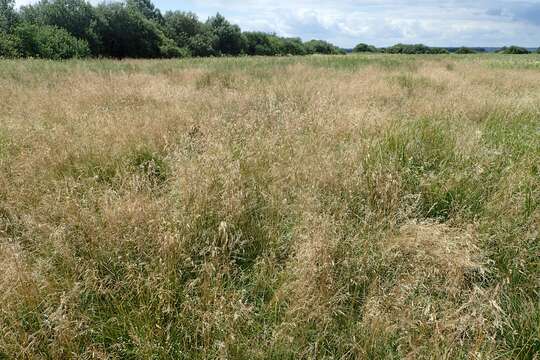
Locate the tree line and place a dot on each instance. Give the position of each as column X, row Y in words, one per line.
column 423, row 49
column 61, row 29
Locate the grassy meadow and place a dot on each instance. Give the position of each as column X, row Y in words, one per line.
column 323, row 207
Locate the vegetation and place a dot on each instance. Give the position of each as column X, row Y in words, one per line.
column 61, row 29
column 317, row 207
column 414, row 49
column 513, row 50
column 365, row 48
column 134, row 29
column 465, row 50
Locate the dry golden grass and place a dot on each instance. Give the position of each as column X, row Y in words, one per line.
column 321, row 207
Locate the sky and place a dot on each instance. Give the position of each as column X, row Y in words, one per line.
column 380, row 22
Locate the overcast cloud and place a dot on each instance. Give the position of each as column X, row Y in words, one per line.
column 381, row 22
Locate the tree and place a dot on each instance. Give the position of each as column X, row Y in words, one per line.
column 125, row 32
column 49, row 42
column 147, row 9
column 228, row 38
column 75, row 16
column 9, row 45
column 415, row 49
column 262, row 44
column 322, row 47
column 465, row 50
column 517, row 50
column 133, row 28
column 292, row 46
column 202, row 45
column 437, row 50
column 538, row 51
column 182, row 26
column 8, row 16
column 364, row 48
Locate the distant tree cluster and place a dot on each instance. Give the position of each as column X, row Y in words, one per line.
column 61, row 29
column 400, row 49
column 365, row 48
column 513, row 50
column 423, row 49
column 465, row 50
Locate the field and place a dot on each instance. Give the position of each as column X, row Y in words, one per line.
column 346, row 207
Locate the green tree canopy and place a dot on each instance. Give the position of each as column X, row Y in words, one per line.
column 8, row 16
column 182, row 26
column 322, row 47
column 147, row 9
column 137, row 29
column 49, row 42
column 513, row 50
column 78, row 17
column 465, row 50
column 364, row 48
column 414, row 49
column 125, row 32
column 229, row 39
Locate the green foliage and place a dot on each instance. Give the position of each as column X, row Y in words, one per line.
column 75, row 16
column 228, row 38
column 150, row 164
column 182, row 26
column 365, row 48
column 168, row 49
column 9, row 46
column 202, row 45
column 125, row 32
column 322, row 47
column 49, row 42
column 465, row 50
column 8, row 16
column 515, row 50
column 292, row 46
column 137, row 29
column 147, row 9
column 414, row 49
column 259, row 43
column 263, row 44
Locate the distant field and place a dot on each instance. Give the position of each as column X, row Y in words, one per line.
column 344, row 207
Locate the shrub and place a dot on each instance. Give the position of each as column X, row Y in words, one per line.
column 169, row 50
column 75, row 16
column 202, row 45
column 9, row 46
column 322, row 47
column 415, row 49
column 438, row 51
column 259, row 43
column 292, row 46
column 50, row 42
column 363, row 48
column 516, row 50
column 465, row 50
